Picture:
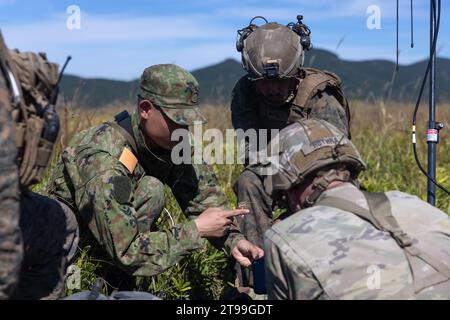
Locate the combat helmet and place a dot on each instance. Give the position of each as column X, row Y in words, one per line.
column 313, row 149
column 272, row 50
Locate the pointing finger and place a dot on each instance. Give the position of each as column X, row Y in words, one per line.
column 236, row 212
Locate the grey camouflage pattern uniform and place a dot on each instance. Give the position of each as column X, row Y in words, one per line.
column 327, row 253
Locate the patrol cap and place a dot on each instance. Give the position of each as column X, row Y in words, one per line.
column 174, row 90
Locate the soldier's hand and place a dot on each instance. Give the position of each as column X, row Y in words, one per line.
column 216, row 222
column 245, row 252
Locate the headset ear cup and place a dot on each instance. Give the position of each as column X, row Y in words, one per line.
column 305, row 41
column 239, row 45
column 243, row 34
column 303, row 32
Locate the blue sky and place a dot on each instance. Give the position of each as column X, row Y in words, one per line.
column 118, row 39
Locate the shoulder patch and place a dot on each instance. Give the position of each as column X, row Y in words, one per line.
column 121, row 188
column 128, row 159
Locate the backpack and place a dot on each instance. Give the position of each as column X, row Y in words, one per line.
column 37, row 79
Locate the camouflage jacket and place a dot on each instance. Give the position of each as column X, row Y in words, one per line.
column 91, row 179
column 319, row 95
column 10, row 237
column 327, row 253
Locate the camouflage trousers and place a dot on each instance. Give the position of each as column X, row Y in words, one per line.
column 148, row 203
column 50, row 238
column 250, row 191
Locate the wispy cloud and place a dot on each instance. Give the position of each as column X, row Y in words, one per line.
column 114, row 28
column 322, row 10
column 119, row 44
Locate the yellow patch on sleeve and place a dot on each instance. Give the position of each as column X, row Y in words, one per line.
column 128, row 159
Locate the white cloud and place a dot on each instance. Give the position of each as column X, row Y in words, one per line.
column 321, row 10
column 108, row 29
column 120, row 46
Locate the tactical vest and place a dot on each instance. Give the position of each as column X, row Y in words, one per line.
column 23, row 71
column 315, row 81
column 380, row 216
column 312, row 82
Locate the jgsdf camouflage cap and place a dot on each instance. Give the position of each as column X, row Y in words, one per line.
column 308, row 146
column 174, row 90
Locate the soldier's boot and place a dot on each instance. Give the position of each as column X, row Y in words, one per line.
column 50, row 237
column 250, row 193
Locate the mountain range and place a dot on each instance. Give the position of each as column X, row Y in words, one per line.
column 364, row 80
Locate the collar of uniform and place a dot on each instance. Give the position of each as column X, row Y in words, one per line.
column 338, row 192
column 140, row 139
column 346, row 191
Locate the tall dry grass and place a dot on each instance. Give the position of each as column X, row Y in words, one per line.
column 380, row 131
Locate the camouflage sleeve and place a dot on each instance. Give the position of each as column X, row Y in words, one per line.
column 196, row 188
column 288, row 277
column 105, row 206
column 243, row 114
column 242, row 111
column 325, row 106
column 10, row 237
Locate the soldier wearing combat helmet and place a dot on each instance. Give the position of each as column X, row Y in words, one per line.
column 113, row 177
column 277, row 91
column 340, row 242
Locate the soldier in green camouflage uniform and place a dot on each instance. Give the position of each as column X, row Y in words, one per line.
column 113, row 177
column 343, row 243
column 276, row 92
column 38, row 236
column 10, row 237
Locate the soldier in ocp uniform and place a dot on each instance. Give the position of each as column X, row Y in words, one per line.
column 38, row 236
column 340, row 242
column 113, row 177
column 276, row 92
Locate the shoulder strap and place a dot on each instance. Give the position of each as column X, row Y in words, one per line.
column 380, row 216
column 346, row 205
column 314, row 81
column 122, row 123
column 380, row 209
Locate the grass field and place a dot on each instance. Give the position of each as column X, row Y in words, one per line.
column 380, row 131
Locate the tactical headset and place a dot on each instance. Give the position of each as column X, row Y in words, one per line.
column 299, row 28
